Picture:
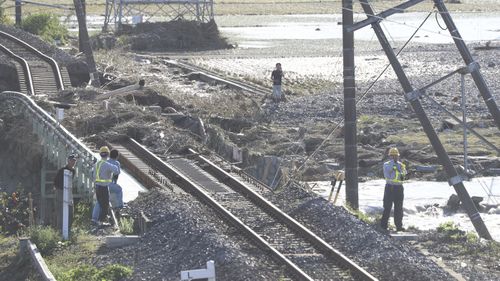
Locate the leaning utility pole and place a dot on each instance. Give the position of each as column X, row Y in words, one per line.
column 469, row 61
column 84, row 42
column 412, row 95
column 350, row 131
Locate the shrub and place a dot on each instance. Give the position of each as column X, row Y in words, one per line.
column 3, row 18
column 451, row 231
column 85, row 272
column 114, row 272
column 45, row 238
column 81, row 215
column 127, row 225
column 14, row 213
column 46, row 26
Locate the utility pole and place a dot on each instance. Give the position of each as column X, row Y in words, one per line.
column 84, row 42
column 350, row 131
column 469, row 61
column 412, row 96
column 18, row 12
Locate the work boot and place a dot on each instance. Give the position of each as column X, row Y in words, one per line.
column 400, row 229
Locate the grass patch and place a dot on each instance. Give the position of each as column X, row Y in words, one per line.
column 452, row 140
column 360, row 215
column 45, row 238
column 91, row 273
column 126, row 226
column 69, row 256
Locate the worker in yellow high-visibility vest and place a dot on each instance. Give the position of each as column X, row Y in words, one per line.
column 394, row 174
column 103, row 175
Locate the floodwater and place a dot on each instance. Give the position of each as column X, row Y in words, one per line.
column 261, row 31
column 424, row 201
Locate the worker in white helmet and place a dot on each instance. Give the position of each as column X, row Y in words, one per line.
column 394, row 174
column 103, row 175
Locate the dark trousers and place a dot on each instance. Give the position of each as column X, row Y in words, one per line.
column 393, row 194
column 102, row 194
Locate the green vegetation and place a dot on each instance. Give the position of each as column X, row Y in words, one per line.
column 81, row 215
column 14, row 213
column 46, row 26
column 126, row 226
column 360, row 215
column 4, row 19
column 45, row 238
column 451, row 232
column 91, row 273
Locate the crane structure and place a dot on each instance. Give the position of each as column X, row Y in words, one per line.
column 119, row 12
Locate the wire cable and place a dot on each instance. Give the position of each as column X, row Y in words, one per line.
column 410, row 26
column 437, row 21
column 357, row 102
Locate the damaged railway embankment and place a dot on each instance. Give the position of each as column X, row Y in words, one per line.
column 173, row 112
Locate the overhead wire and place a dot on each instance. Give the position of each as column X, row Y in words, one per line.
column 411, row 26
column 357, row 102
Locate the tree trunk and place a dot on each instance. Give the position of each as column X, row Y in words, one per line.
column 84, row 42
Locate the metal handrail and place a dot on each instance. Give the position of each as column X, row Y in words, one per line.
column 87, row 156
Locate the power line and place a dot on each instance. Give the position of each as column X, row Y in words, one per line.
column 357, row 102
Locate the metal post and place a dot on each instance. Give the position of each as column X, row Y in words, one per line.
column 120, row 14
column 350, row 137
column 31, row 218
column 469, row 61
column 18, row 12
column 43, row 194
column 464, row 120
column 413, row 97
column 67, row 185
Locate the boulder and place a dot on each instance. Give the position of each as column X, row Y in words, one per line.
column 453, row 202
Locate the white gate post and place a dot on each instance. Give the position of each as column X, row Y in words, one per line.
column 194, row 274
column 67, row 185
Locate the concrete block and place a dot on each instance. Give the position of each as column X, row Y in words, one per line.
column 116, row 241
column 402, row 236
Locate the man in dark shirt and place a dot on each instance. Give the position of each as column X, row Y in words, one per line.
column 59, row 188
column 276, row 76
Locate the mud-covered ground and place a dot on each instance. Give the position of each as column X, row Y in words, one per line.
column 293, row 130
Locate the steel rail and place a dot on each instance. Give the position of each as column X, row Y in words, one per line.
column 189, row 186
column 274, row 211
column 243, row 85
column 24, row 64
column 49, row 60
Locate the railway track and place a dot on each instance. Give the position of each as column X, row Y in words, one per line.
column 304, row 255
column 253, row 88
column 37, row 72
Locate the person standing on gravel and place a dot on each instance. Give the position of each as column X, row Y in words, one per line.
column 394, row 174
column 103, row 174
column 113, row 186
column 276, row 76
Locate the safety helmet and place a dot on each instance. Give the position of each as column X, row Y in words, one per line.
column 104, row 149
column 393, row 151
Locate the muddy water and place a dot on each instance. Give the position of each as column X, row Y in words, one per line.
column 424, row 201
column 261, row 31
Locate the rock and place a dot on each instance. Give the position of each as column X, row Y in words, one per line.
column 312, row 143
column 169, row 109
column 448, row 124
column 453, row 202
column 491, row 64
column 477, row 200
